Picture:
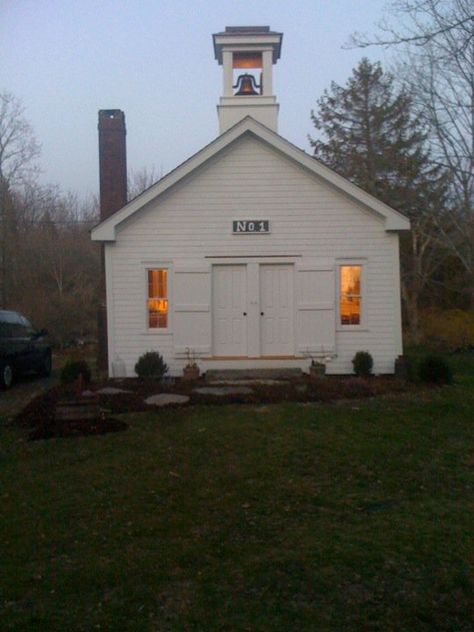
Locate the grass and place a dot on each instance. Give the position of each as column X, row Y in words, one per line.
column 353, row 516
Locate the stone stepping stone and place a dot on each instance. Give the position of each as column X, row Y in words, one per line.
column 112, row 390
column 88, row 393
column 220, row 391
column 164, row 399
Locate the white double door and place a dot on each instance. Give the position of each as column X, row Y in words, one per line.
column 253, row 310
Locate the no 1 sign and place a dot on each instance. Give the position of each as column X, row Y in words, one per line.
column 251, row 226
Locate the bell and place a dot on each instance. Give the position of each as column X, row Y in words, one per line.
column 246, row 85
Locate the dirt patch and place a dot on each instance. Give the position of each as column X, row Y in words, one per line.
column 77, row 428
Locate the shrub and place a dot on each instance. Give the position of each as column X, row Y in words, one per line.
column 435, row 370
column 411, row 362
column 451, row 329
column 72, row 369
column 151, row 364
column 362, row 363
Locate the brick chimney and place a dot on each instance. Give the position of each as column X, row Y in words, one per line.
column 112, row 162
column 113, row 195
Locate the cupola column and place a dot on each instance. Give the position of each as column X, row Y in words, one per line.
column 267, row 73
column 247, row 55
column 227, row 59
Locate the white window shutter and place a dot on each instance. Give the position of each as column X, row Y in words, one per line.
column 316, row 307
column 191, row 309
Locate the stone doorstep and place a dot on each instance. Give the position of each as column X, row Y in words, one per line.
column 212, row 375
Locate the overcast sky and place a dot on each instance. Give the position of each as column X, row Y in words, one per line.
column 153, row 59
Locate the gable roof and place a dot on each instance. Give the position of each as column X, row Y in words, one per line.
column 394, row 220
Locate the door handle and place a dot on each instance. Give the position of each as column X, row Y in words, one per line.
column 262, row 313
column 245, row 313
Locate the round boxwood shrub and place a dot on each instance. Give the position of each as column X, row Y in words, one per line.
column 151, row 364
column 362, row 363
column 72, row 369
column 435, row 370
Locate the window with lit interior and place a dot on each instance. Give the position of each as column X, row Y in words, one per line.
column 157, row 303
column 350, row 297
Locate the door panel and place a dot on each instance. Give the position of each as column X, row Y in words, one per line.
column 229, row 310
column 276, row 310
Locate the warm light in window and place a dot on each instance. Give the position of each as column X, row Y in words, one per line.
column 350, row 296
column 157, row 304
column 247, row 60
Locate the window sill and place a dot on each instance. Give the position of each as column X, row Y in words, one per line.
column 352, row 328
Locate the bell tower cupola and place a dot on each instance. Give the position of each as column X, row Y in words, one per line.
column 247, row 55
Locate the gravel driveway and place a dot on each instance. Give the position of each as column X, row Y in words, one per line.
column 22, row 391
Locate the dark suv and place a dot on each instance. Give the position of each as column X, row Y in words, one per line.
column 22, row 349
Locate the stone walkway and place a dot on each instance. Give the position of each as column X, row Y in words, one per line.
column 239, row 382
column 112, row 390
column 220, row 391
column 221, row 388
column 165, row 399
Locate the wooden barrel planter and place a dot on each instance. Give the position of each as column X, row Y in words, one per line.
column 191, row 373
column 317, row 371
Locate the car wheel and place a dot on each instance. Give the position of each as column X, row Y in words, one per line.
column 46, row 366
column 6, row 375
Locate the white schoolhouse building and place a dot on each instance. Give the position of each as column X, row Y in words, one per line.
column 251, row 254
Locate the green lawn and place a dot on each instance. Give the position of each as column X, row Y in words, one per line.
column 354, row 516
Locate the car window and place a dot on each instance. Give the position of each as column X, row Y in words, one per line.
column 9, row 317
column 27, row 325
column 14, row 325
column 9, row 322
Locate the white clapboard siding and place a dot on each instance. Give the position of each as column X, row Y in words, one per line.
column 309, row 221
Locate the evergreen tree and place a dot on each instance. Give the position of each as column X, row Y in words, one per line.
column 370, row 135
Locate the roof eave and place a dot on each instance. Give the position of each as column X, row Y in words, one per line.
column 394, row 220
column 272, row 39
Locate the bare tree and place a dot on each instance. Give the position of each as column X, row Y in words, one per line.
column 141, row 180
column 56, row 263
column 18, row 152
column 419, row 23
column 49, row 266
column 436, row 40
column 18, row 146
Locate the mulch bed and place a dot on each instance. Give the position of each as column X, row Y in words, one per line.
column 39, row 415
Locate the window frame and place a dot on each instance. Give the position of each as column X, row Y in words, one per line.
column 363, row 294
column 30, row 330
column 157, row 265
